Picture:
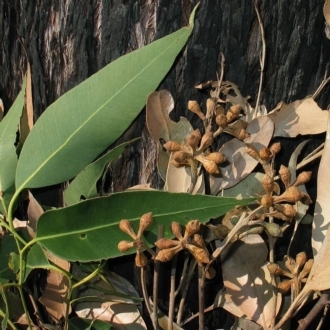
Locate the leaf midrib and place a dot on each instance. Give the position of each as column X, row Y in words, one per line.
column 24, row 184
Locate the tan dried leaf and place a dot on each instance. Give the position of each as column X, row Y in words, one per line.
column 240, row 164
column 248, row 281
column 300, row 117
column 34, row 211
column 322, row 206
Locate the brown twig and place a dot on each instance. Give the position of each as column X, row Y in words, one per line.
column 262, row 55
column 322, row 302
column 201, row 298
column 323, row 83
column 172, row 294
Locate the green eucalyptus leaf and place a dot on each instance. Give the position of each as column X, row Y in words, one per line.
column 84, row 184
column 89, row 230
column 35, row 259
column 8, row 129
column 82, row 123
column 7, row 246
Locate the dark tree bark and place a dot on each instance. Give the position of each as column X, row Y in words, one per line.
column 69, row 40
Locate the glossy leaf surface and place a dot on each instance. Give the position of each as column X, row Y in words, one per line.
column 77, row 127
column 89, row 230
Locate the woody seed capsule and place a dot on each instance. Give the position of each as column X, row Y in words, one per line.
column 192, row 227
column 123, row 246
column 126, row 227
column 302, row 178
column 275, row 148
column 268, row 184
column 291, row 195
column 194, row 138
column 285, row 175
column 172, row 146
column 221, row 120
column 194, row 107
column 216, row 157
column 265, row 154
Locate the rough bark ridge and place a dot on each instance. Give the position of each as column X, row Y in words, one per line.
column 69, row 40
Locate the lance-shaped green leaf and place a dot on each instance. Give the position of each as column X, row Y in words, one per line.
column 8, row 129
column 89, row 230
column 84, row 184
column 77, row 127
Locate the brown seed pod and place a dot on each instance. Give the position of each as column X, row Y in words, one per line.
column 206, row 141
column 221, row 120
column 289, row 263
column 305, row 199
column 284, row 286
column 275, row 269
column 127, row 228
column 194, row 138
column 172, row 146
column 301, row 259
column 194, row 107
column 253, row 152
column 219, row 110
column 286, row 209
column 166, row 243
column 198, row 241
column 182, row 157
column 192, row 227
column 275, row 148
column 167, row 254
column 267, row 201
column 123, row 246
column 199, row 254
column 210, row 106
column 211, row 167
column 216, row 157
column 243, row 134
column 268, row 184
column 265, row 154
column 233, row 112
column 285, row 175
column 145, row 222
column 291, row 195
column 176, row 230
column 302, row 178
column 307, row 268
column 140, row 259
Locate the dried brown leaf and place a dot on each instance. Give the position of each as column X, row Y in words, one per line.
column 326, row 11
column 322, row 206
column 248, row 281
column 299, row 117
column 56, row 290
column 161, row 127
column 34, row 211
column 240, row 164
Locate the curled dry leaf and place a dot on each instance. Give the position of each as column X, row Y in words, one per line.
column 178, row 179
column 54, row 297
column 248, row 281
column 240, row 164
column 122, row 313
column 322, row 206
column 299, row 117
column 161, row 127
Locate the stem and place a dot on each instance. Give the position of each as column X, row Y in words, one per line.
column 87, row 278
column 185, row 291
column 201, row 298
column 322, row 302
column 8, row 321
column 144, row 290
column 172, row 294
column 24, row 306
column 262, row 55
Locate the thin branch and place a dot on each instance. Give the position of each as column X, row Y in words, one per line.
column 322, row 302
column 323, row 83
column 201, row 297
column 172, row 294
column 262, row 55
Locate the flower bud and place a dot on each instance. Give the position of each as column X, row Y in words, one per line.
column 126, row 227
column 233, row 112
column 192, row 227
column 219, row 110
column 194, row 107
column 207, row 140
column 165, row 243
column 285, row 175
column 210, row 105
column 221, row 120
column 305, row 198
column 167, row 254
column 199, row 254
column 267, row 201
column 275, row 148
column 275, row 269
column 268, row 184
column 145, row 222
column 176, row 230
column 172, row 146
column 265, row 154
column 289, row 263
column 307, row 268
column 291, row 195
column 284, row 286
column 194, row 138
column 253, row 152
column 302, row 178
column 216, row 157
column 286, row 209
column 182, row 157
column 301, row 259
column 140, row 259
column 123, row 246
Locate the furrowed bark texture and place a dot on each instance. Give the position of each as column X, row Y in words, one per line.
column 67, row 41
